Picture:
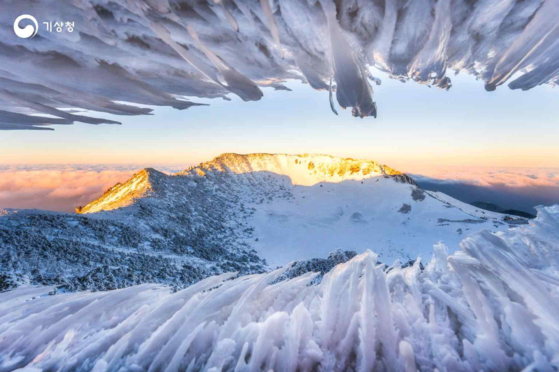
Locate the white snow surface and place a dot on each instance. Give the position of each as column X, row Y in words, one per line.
column 492, row 306
column 357, row 215
column 158, row 53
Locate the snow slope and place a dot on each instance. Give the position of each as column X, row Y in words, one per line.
column 492, row 306
column 158, row 53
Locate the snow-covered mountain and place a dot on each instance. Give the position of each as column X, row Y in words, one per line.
column 235, row 213
column 484, row 301
column 306, row 206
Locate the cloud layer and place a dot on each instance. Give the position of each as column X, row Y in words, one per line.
column 64, row 187
column 160, row 53
column 60, row 188
column 510, row 188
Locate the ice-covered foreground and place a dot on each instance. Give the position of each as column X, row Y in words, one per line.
column 494, row 306
column 157, row 52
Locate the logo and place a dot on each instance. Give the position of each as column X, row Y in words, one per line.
column 28, row 31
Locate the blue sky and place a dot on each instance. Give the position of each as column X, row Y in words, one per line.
column 416, row 126
column 491, row 142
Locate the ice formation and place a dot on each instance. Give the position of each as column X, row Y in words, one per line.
column 161, row 53
column 492, row 306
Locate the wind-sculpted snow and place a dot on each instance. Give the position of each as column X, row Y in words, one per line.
column 493, row 306
column 162, row 53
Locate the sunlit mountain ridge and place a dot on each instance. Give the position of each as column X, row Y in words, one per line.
column 305, row 170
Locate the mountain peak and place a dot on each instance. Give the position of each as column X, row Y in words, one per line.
column 295, row 169
column 121, row 195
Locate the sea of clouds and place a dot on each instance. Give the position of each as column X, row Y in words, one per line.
column 64, row 187
column 508, row 187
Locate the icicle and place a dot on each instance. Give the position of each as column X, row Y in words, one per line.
column 236, row 82
column 272, row 26
column 331, row 98
column 230, row 19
